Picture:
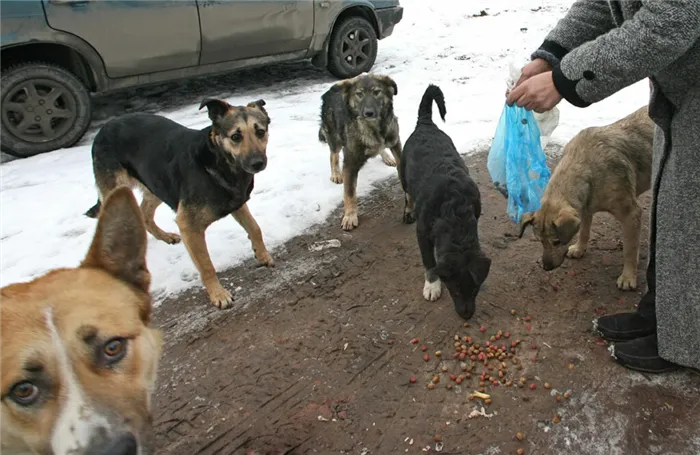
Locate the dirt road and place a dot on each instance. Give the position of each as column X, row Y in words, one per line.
column 317, row 358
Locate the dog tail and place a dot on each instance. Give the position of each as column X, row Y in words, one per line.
column 425, row 111
column 94, row 210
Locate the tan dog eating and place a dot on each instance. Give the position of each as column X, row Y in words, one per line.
column 603, row 169
column 79, row 359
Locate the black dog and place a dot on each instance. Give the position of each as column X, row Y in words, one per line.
column 357, row 116
column 202, row 175
column 446, row 202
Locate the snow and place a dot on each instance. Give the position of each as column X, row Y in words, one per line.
column 42, row 199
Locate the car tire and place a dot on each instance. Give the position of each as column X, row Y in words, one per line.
column 58, row 101
column 352, row 49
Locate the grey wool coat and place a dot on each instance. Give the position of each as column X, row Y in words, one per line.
column 600, row 47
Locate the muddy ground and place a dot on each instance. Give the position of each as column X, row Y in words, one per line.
column 316, row 358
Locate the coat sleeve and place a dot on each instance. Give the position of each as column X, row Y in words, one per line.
column 654, row 38
column 585, row 21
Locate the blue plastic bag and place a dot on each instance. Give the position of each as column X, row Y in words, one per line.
column 516, row 163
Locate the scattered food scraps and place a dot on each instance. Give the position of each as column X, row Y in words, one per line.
column 483, row 396
column 479, row 413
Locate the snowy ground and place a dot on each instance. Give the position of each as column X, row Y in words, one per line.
column 445, row 42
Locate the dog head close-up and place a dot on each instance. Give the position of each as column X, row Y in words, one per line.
column 79, row 358
column 461, row 264
column 241, row 132
column 555, row 227
column 369, row 97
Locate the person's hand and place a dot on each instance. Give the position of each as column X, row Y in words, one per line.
column 535, row 67
column 537, row 93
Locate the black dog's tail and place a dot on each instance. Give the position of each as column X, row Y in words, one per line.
column 425, row 111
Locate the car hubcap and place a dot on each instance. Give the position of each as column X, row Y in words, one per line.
column 356, row 48
column 38, row 110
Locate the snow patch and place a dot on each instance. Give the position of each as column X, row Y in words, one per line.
column 448, row 43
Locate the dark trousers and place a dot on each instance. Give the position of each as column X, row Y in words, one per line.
column 647, row 306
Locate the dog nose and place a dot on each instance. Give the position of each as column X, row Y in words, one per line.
column 124, row 444
column 257, row 164
column 369, row 113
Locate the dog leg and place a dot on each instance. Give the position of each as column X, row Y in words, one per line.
column 396, row 151
column 388, row 159
column 409, row 215
column 432, row 288
column 336, row 175
column 149, row 204
column 631, row 227
column 577, row 250
column 349, row 221
column 246, row 220
column 193, row 224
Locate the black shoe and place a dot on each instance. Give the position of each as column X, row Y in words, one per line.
column 641, row 354
column 624, row 326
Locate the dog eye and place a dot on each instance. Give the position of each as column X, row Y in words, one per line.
column 114, row 350
column 359, row 94
column 260, row 133
column 237, row 137
column 377, row 92
column 24, row 393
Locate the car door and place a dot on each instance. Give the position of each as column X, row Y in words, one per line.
column 241, row 29
column 132, row 37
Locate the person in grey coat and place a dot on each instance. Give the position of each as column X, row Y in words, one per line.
column 598, row 48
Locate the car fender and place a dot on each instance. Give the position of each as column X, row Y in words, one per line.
column 336, row 9
column 25, row 23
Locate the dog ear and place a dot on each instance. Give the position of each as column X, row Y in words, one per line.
column 479, row 269
column 119, row 244
column 566, row 225
column 345, row 87
column 527, row 220
column 389, row 83
column 260, row 105
column 216, row 108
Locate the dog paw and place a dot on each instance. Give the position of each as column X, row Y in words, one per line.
column 409, row 217
column 388, row 160
column 349, row 222
column 626, row 282
column 220, row 297
column 337, row 178
column 432, row 291
column 575, row 251
column 265, row 258
column 170, row 238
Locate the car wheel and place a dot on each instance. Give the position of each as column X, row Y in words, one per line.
column 353, row 48
column 44, row 108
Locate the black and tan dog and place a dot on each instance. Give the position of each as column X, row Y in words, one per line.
column 357, row 116
column 203, row 175
column 79, row 352
column 446, row 203
column 602, row 169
